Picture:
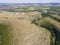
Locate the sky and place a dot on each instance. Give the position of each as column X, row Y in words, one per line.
column 29, row 1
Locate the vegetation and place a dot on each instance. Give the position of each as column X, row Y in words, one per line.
column 55, row 18
column 4, row 34
column 45, row 11
column 50, row 27
column 55, row 33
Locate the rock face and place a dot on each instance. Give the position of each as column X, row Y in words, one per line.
column 25, row 33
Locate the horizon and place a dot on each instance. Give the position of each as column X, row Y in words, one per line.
column 30, row 1
column 33, row 3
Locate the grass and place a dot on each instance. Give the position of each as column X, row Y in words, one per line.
column 4, row 34
column 54, row 32
column 55, row 18
column 49, row 27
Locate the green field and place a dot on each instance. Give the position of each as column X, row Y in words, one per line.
column 4, row 34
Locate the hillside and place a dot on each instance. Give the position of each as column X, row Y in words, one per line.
column 23, row 32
